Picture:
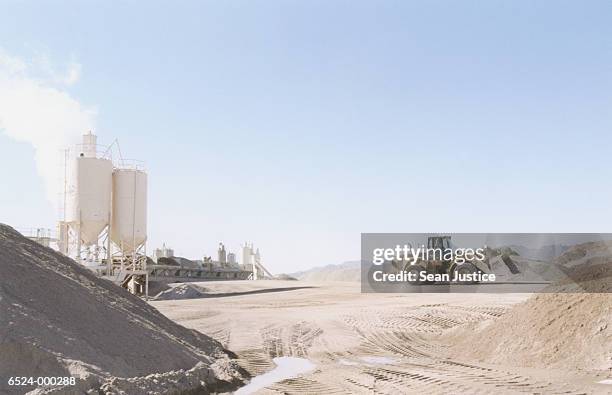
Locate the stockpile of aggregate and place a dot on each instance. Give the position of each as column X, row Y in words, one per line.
column 567, row 331
column 587, row 268
column 568, row 327
column 181, row 291
column 58, row 319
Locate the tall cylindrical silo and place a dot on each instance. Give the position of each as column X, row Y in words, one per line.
column 129, row 218
column 88, row 198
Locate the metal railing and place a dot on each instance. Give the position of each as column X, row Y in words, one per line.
column 107, row 152
column 38, row 232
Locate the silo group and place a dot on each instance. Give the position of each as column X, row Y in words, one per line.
column 105, row 211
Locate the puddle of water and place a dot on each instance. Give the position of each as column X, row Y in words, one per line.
column 607, row 381
column 286, row 368
column 348, row 363
column 378, row 360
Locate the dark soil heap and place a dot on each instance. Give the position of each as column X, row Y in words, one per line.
column 59, row 319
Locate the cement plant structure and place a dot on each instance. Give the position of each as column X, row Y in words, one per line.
column 251, row 260
column 104, row 225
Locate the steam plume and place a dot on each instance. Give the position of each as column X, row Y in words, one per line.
column 35, row 108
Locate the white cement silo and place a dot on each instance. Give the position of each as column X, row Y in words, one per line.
column 129, row 206
column 88, row 193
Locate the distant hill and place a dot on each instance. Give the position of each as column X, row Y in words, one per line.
column 347, row 271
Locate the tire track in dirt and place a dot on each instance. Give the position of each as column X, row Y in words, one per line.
column 336, row 329
column 424, row 367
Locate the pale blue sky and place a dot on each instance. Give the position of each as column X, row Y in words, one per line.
column 299, row 125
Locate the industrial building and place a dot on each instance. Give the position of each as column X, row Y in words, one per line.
column 166, row 267
column 104, row 225
column 251, row 261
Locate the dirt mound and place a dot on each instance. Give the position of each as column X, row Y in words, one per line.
column 59, row 319
column 567, row 331
column 181, row 291
column 595, row 252
column 586, row 267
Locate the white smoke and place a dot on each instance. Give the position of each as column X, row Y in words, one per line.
column 35, row 108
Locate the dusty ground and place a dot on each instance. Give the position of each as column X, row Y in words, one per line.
column 335, row 326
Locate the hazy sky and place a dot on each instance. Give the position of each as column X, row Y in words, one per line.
column 299, row 125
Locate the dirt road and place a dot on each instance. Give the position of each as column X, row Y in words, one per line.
column 363, row 343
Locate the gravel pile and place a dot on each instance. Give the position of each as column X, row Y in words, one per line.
column 59, row 319
column 181, row 291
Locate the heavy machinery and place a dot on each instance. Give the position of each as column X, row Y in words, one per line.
column 439, row 263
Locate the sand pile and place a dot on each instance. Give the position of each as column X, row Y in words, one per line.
column 567, row 331
column 586, row 267
column 59, row 319
column 181, row 291
column 563, row 330
column 592, row 253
